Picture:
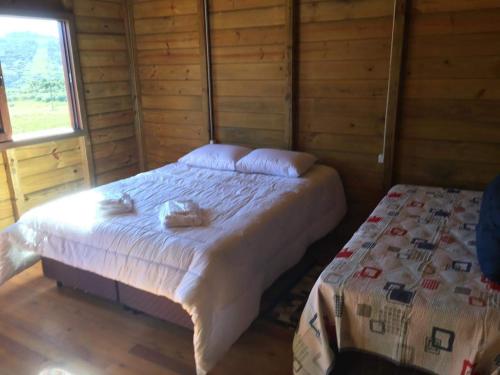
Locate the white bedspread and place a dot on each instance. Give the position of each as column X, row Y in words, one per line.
column 258, row 226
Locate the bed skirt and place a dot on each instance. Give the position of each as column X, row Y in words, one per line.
column 136, row 299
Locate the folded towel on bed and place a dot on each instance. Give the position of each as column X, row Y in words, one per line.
column 116, row 205
column 176, row 213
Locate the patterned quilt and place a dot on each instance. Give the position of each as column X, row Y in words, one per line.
column 407, row 287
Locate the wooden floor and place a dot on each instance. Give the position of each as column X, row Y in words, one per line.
column 44, row 327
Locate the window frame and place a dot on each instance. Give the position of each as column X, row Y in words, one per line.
column 73, row 80
column 5, row 128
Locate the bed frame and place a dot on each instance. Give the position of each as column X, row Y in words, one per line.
column 135, row 299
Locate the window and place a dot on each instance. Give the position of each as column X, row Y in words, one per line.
column 38, row 94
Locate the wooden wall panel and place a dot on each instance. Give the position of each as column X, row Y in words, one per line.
column 105, row 62
column 171, row 73
column 449, row 131
column 449, row 102
column 250, row 73
column 46, row 171
column 6, row 200
column 33, row 5
column 343, row 65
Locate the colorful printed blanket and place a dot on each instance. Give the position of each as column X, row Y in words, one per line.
column 407, row 287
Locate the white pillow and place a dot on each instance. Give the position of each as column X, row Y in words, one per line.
column 215, row 156
column 276, row 162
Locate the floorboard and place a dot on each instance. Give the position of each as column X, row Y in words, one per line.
column 45, row 327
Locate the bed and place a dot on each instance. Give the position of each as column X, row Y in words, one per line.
column 407, row 287
column 208, row 278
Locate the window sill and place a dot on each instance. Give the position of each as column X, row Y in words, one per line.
column 41, row 138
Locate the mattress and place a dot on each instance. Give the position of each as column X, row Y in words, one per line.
column 257, row 227
column 407, row 287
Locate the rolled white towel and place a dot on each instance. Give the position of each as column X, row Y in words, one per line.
column 176, row 213
column 116, row 205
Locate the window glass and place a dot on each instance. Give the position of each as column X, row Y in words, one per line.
column 32, row 57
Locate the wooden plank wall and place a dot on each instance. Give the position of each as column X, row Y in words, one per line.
column 33, row 5
column 6, row 201
column 449, row 130
column 105, row 64
column 343, row 65
column 32, row 175
column 342, row 62
column 172, row 78
column 45, row 171
column 250, row 72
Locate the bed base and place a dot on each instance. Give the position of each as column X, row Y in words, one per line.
column 133, row 298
